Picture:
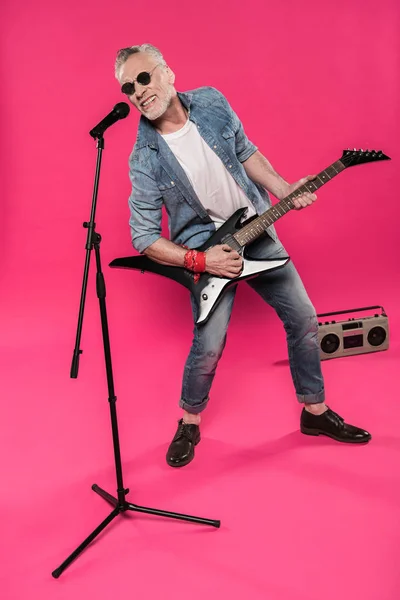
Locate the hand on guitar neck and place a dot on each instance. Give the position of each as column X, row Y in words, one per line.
column 305, row 199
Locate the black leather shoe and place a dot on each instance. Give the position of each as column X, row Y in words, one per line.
column 332, row 425
column 181, row 449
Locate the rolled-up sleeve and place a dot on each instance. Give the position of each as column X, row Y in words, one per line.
column 244, row 147
column 145, row 205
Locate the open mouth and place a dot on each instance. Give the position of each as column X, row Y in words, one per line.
column 148, row 102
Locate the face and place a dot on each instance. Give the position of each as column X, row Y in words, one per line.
column 154, row 99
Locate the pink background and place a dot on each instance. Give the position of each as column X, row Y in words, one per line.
column 308, row 80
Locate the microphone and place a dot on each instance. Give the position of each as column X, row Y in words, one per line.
column 120, row 111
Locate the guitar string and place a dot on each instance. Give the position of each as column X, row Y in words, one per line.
column 286, row 203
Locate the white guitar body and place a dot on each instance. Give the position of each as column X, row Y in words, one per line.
column 215, row 286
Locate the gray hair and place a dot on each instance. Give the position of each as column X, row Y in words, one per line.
column 125, row 53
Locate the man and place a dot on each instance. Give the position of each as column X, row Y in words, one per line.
column 193, row 157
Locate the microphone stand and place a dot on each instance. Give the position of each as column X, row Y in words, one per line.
column 119, row 503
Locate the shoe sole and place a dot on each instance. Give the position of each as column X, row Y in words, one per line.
column 186, row 462
column 317, row 432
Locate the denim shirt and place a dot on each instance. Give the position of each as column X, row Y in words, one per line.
column 159, row 180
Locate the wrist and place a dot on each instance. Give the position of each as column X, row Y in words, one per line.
column 284, row 190
column 195, row 261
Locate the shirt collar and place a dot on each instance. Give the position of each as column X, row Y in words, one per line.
column 147, row 135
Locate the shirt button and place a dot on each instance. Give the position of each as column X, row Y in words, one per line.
column 172, row 183
column 230, row 166
column 215, row 146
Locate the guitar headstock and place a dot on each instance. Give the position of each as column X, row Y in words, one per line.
column 350, row 158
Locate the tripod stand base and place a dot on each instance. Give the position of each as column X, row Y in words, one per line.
column 120, row 507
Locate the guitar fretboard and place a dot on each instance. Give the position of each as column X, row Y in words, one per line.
column 253, row 230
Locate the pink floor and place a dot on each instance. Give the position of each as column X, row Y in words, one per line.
column 302, row 518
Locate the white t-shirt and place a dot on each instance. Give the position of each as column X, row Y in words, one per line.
column 214, row 185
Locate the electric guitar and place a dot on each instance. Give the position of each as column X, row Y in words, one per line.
column 209, row 289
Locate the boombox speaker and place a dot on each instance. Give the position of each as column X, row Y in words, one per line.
column 353, row 336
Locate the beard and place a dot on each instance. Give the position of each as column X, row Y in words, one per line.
column 158, row 111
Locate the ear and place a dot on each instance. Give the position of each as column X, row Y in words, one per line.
column 171, row 75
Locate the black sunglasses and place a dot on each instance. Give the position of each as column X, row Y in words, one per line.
column 143, row 78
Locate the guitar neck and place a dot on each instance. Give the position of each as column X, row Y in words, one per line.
column 257, row 227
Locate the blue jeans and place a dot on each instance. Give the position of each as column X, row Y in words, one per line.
column 284, row 291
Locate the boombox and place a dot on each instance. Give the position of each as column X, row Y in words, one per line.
column 353, row 336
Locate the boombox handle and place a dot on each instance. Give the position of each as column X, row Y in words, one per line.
column 341, row 312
